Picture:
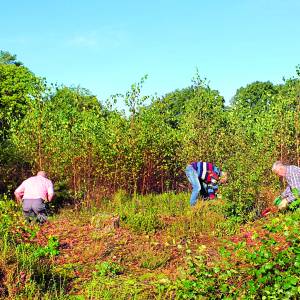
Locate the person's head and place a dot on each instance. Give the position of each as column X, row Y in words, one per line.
column 223, row 177
column 279, row 168
column 42, row 173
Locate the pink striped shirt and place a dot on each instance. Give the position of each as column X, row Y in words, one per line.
column 35, row 187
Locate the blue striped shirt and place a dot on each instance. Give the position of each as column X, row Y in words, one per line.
column 293, row 180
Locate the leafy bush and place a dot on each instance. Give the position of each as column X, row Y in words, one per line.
column 268, row 271
column 109, row 269
column 51, row 249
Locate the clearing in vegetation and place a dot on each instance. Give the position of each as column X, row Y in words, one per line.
column 159, row 249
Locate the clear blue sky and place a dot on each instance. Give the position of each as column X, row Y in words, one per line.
column 106, row 46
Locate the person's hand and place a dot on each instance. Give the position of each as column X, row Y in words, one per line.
column 277, row 201
column 19, row 199
column 281, row 203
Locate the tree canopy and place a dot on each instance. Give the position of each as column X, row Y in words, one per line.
column 95, row 149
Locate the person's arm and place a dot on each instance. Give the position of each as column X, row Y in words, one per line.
column 287, row 194
column 18, row 197
column 50, row 197
column 19, row 192
column 50, row 191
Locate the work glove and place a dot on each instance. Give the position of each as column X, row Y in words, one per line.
column 281, row 203
column 277, row 201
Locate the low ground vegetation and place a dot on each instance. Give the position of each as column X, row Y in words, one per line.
column 168, row 252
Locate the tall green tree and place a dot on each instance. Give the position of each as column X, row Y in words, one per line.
column 202, row 124
column 19, row 88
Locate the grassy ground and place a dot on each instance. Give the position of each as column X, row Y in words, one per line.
column 162, row 249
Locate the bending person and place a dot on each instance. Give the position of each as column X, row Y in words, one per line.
column 32, row 193
column 204, row 178
column 292, row 176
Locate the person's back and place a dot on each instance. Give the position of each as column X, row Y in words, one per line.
column 36, row 187
column 206, row 171
column 32, row 193
column 293, row 175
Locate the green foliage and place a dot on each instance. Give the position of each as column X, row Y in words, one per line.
column 262, row 273
column 143, row 213
column 18, row 88
column 113, row 288
column 107, row 283
column 256, row 96
column 12, row 225
column 8, row 59
column 202, row 125
column 270, row 268
column 262, row 129
column 142, row 221
column 51, row 249
column 296, row 203
column 108, row 269
column 26, row 271
column 94, row 151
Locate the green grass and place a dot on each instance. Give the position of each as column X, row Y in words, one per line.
column 163, row 250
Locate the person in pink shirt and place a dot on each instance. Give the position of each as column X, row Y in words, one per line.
column 33, row 193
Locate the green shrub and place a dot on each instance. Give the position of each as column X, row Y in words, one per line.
column 147, row 222
column 108, row 269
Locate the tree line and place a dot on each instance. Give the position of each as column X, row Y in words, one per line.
column 92, row 149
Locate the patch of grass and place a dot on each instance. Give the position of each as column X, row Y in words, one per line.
column 158, row 233
column 147, row 222
column 151, row 260
column 108, row 269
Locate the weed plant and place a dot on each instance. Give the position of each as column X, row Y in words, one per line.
column 26, row 269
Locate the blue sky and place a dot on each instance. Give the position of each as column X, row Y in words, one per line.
column 105, row 46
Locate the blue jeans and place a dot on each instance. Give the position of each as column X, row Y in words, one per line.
column 192, row 176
